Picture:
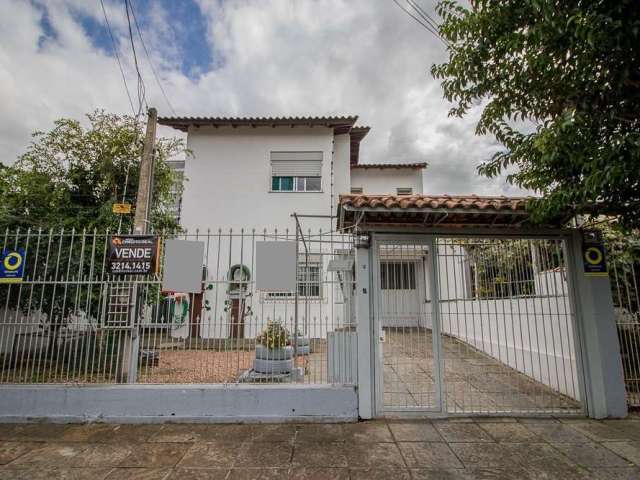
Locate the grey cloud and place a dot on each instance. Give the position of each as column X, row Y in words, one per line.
column 279, row 58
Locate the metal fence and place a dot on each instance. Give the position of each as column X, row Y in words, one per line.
column 71, row 321
column 501, row 338
column 624, row 271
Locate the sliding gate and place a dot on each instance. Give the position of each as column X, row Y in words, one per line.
column 474, row 326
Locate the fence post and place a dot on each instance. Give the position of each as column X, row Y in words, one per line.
column 363, row 328
column 595, row 316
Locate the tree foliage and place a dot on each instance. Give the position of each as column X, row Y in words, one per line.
column 560, row 84
column 70, row 176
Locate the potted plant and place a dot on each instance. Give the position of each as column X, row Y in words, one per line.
column 274, row 354
column 303, row 343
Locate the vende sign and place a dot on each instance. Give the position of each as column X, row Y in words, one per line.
column 133, row 254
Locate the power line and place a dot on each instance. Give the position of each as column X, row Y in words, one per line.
column 135, row 20
column 424, row 14
column 115, row 51
column 142, row 100
column 426, row 26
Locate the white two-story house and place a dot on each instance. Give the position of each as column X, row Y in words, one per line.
column 245, row 178
column 253, row 173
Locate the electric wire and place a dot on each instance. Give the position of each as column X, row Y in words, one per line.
column 426, row 26
column 142, row 100
column 146, row 51
column 424, row 14
column 115, row 52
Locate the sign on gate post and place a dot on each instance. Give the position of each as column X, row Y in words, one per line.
column 12, row 266
column 593, row 254
column 133, row 254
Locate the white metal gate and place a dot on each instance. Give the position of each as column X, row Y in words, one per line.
column 474, row 325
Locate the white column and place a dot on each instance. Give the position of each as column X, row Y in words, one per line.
column 603, row 375
column 363, row 319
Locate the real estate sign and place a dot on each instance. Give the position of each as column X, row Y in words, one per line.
column 133, row 254
column 12, row 265
column 593, row 254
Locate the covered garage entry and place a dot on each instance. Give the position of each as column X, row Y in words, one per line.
column 474, row 311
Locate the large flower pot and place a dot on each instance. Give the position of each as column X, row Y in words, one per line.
column 273, row 367
column 304, row 345
column 273, row 360
column 283, row 353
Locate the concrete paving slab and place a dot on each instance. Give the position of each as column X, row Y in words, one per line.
column 379, row 474
column 139, row 474
column 414, row 431
column 50, row 455
column 375, row 455
column 218, row 454
column 321, row 474
column 264, row 455
column 198, row 474
column 56, row 474
column 557, row 433
column 367, row 432
column 627, row 450
column 319, row 433
column 155, row 455
column 320, row 455
column 429, row 455
column 509, row 432
column 591, row 455
column 462, row 432
column 9, row 451
column 257, row 474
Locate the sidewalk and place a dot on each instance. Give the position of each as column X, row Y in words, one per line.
column 489, row 448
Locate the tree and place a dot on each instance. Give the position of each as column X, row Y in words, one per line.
column 71, row 176
column 560, row 85
column 66, row 182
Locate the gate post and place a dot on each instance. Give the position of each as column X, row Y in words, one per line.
column 595, row 316
column 363, row 327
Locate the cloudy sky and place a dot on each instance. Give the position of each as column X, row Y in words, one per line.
column 245, row 58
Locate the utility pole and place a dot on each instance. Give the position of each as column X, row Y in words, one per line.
column 145, row 183
column 131, row 341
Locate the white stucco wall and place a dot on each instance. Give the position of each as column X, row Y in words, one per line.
column 229, row 178
column 386, row 180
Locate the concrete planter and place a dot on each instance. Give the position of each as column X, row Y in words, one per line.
column 273, row 367
column 264, row 353
column 304, row 345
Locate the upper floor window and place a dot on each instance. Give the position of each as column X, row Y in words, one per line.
column 404, row 191
column 356, row 190
column 296, row 171
column 295, row 184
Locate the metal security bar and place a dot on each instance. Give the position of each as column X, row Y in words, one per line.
column 500, row 338
column 404, row 316
column 70, row 321
column 624, row 271
column 508, row 328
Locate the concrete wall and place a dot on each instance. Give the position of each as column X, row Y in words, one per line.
column 185, row 403
column 386, row 180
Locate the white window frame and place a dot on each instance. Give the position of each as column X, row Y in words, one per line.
column 290, row 296
column 404, row 191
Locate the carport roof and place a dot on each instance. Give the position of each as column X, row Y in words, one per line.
column 431, row 210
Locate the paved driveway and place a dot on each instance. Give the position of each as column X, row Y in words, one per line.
column 474, row 382
column 495, row 448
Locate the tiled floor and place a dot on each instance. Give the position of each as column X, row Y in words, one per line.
column 480, row 448
column 473, row 381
